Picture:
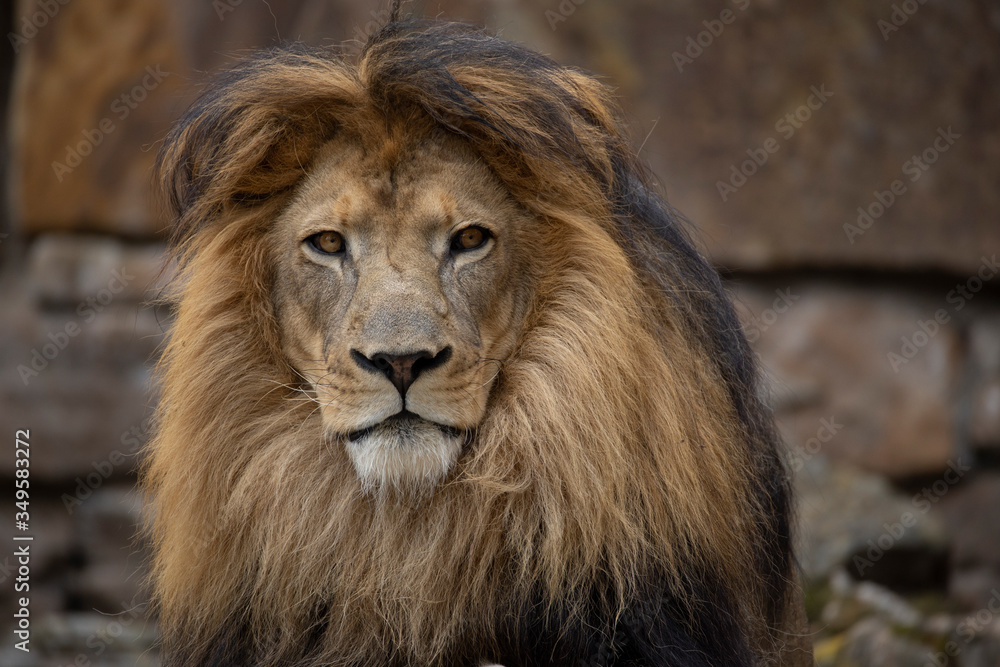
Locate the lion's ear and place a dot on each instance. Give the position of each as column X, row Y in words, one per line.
column 250, row 138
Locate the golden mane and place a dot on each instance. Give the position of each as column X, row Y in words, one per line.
column 623, row 443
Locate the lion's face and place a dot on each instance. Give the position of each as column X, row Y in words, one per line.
column 399, row 291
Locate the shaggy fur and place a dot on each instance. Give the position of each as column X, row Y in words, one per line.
column 622, row 501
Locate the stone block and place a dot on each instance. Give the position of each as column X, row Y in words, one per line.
column 866, row 376
column 79, row 271
column 856, row 521
column 752, row 147
column 113, row 572
column 973, row 525
column 984, row 362
column 81, row 383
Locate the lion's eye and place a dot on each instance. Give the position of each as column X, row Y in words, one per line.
column 328, row 243
column 470, row 238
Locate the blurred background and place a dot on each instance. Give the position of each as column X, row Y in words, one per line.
column 840, row 160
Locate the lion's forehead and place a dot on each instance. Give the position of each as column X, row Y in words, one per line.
column 422, row 188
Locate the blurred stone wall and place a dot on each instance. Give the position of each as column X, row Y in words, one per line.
column 841, row 162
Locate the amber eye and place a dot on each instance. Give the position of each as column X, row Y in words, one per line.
column 328, row 243
column 470, row 238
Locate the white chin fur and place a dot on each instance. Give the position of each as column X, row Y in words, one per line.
column 411, row 456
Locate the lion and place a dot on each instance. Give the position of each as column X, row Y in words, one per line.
column 448, row 382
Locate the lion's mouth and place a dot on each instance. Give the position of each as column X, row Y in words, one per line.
column 403, row 422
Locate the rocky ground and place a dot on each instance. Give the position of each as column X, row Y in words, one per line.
column 881, row 586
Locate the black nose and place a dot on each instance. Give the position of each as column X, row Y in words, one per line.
column 401, row 369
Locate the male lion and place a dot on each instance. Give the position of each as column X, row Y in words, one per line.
column 448, row 383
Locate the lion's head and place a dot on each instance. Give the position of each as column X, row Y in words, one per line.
column 447, row 381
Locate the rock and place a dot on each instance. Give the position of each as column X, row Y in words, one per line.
column 95, row 89
column 80, row 422
column 973, row 525
column 92, row 559
column 98, row 87
column 984, row 649
column 75, row 270
column 890, row 605
column 852, row 519
column 873, row 642
column 80, row 383
column 113, row 571
column 984, row 342
column 856, row 375
column 53, row 550
column 984, row 420
column 970, row 584
column 864, row 598
column 123, row 637
column 859, row 130
column 52, row 529
column 984, row 353
column 939, row 624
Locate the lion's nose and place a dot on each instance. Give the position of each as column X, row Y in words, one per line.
column 401, row 369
